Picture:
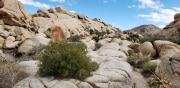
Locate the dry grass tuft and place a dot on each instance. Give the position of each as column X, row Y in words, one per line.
column 10, row 74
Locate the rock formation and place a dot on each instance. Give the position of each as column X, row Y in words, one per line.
column 173, row 28
column 17, row 27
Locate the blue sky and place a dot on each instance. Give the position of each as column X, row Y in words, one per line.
column 124, row 14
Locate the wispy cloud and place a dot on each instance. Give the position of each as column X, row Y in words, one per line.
column 131, row 6
column 177, row 8
column 163, row 16
column 107, row 1
column 158, row 13
column 150, row 4
column 68, row 2
column 35, row 4
column 60, row 1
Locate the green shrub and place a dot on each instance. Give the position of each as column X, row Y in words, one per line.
column 97, row 46
column 138, row 61
column 75, row 38
column 153, row 38
column 96, row 38
column 66, row 60
column 148, row 68
column 133, row 37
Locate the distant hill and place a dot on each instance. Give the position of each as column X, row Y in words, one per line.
column 146, row 30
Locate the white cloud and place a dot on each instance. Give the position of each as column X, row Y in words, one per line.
column 131, row 6
column 160, row 14
column 161, row 26
column 68, row 2
column 35, row 4
column 177, row 8
column 107, row 1
column 150, row 4
column 163, row 16
column 60, row 1
column 73, row 11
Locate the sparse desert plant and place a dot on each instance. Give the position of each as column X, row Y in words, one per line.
column 98, row 36
column 66, row 60
column 97, row 46
column 153, row 38
column 148, row 68
column 75, row 38
column 160, row 82
column 133, row 37
column 10, row 74
column 137, row 61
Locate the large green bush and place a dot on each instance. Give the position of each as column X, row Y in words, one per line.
column 66, row 60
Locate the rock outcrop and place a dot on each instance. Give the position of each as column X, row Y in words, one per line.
column 113, row 71
column 17, row 27
column 169, row 69
column 173, row 28
column 147, row 49
column 169, row 66
column 12, row 12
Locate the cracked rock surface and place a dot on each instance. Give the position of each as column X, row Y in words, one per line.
column 113, row 72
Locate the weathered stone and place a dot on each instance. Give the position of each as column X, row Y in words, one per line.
column 147, row 49
column 1, row 42
column 10, row 42
column 30, row 67
column 60, row 9
column 28, row 45
column 42, row 39
column 1, row 22
column 89, row 43
column 13, row 13
column 1, row 29
column 104, row 41
column 84, row 85
column 169, row 69
column 166, row 48
column 18, row 38
column 177, row 16
column 56, row 33
column 5, row 34
column 26, row 34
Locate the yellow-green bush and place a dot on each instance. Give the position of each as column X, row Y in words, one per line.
column 148, row 69
column 66, row 60
column 137, row 61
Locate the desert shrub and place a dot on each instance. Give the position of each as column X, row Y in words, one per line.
column 66, row 60
column 10, row 74
column 133, row 37
column 153, row 38
column 149, row 38
column 148, row 68
column 178, row 30
column 75, row 38
column 97, row 46
column 160, row 82
column 98, row 36
column 138, row 61
column 91, row 32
